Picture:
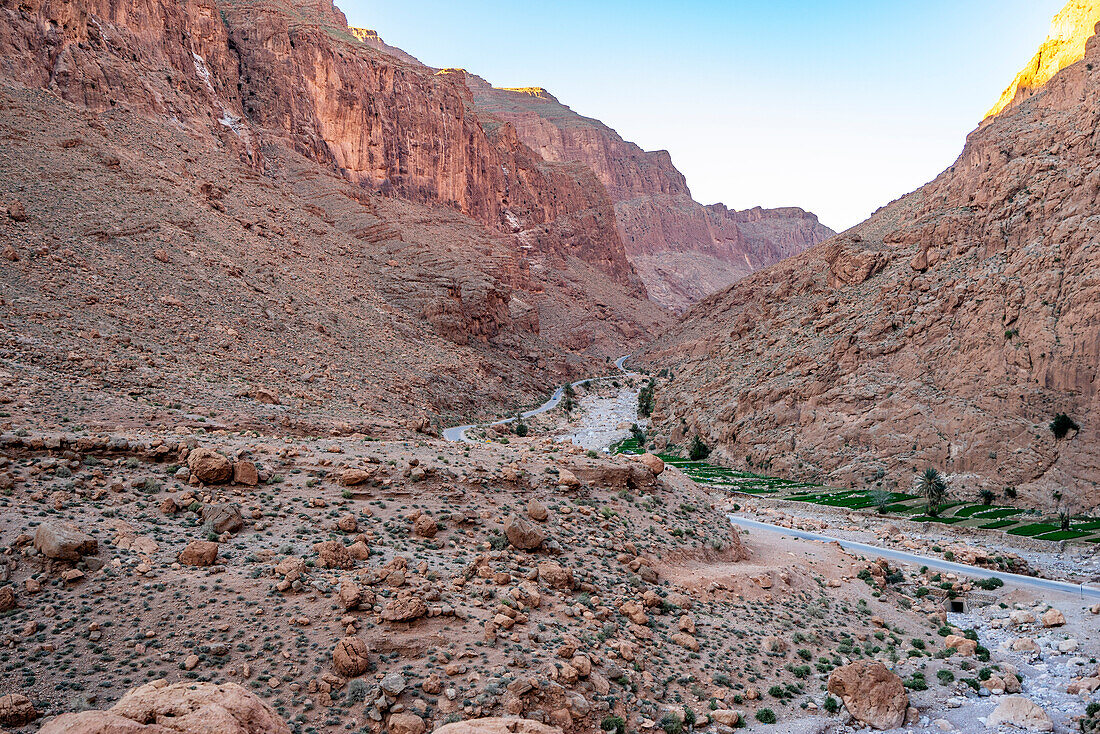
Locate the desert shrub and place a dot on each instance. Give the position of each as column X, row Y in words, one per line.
column 1062, row 425
column 766, row 716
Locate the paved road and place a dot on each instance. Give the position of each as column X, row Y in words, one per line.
column 458, row 433
column 1086, row 592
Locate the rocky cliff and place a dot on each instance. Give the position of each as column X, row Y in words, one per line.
column 290, row 132
column 1064, row 45
column 681, row 249
column 948, row 330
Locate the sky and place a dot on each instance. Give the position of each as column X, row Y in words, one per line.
column 837, row 106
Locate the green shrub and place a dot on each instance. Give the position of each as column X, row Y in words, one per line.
column 521, row 429
column 614, row 724
column 1062, row 425
column 766, row 716
column 831, row 705
column 945, row 676
column 671, row 724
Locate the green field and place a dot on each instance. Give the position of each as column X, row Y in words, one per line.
column 1012, row 520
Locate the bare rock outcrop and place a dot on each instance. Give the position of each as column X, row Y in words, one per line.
column 497, row 725
column 190, row 707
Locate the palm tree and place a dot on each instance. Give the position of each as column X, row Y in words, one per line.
column 933, row 487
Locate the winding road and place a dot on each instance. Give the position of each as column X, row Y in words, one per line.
column 458, row 433
column 1086, row 592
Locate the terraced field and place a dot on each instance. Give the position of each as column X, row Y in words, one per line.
column 1012, row 520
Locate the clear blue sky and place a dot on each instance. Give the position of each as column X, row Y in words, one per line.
column 838, row 106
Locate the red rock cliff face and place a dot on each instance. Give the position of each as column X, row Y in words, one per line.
column 293, row 69
column 681, row 249
column 165, row 58
column 947, row 330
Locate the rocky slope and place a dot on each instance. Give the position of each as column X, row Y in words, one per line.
column 947, row 330
column 682, row 249
column 332, row 219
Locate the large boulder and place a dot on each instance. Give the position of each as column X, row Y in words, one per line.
column 199, row 553
column 496, row 725
column 655, row 463
column 1053, row 618
column 350, row 657
column 406, row 723
column 522, row 534
column 963, row 645
column 1020, row 712
column 16, row 710
column 223, row 517
column 209, row 467
column 64, row 541
column 405, row 609
column 245, row 472
column 555, row 575
column 7, row 598
column 180, row 708
column 871, row 693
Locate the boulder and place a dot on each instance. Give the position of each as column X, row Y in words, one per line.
column 244, row 472
column 7, row 598
column 354, row 477
column 181, row 708
column 537, row 511
column 496, row 725
column 725, row 717
column 1053, row 618
column 962, row 645
column 350, row 657
column 63, row 541
column 522, row 534
column 16, row 710
column 405, row 723
column 871, row 693
column 209, row 467
column 333, row 554
column 405, row 609
column 348, row 523
column 1020, row 712
column 199, row 553
column 425, row 526
column 568, row 479
column 350, row 594
column 223, row 517
column 555, row 575
column 655, row 464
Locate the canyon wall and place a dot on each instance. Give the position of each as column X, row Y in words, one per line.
column 681, row 249
column 948, row 330
column 350, row 156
